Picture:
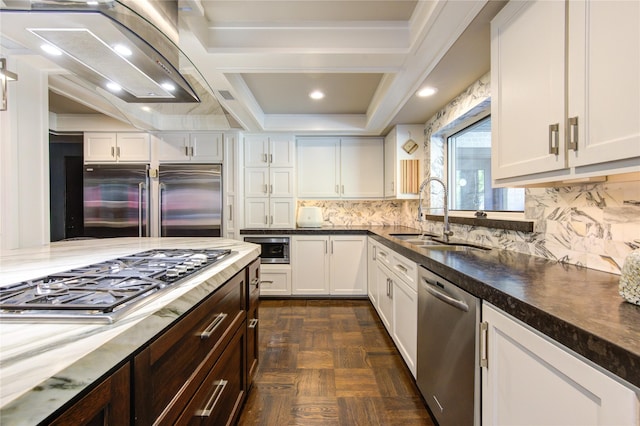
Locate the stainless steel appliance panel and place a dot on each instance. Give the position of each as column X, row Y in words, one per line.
column 116, row 200
column 190, row 200
column 448, row 373
column 273, row 249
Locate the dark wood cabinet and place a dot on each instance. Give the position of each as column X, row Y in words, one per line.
column 194, row 372
column 106, row 404
column 253, row 300
column 172, row 368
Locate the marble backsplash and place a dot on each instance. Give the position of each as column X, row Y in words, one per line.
column 587, row 225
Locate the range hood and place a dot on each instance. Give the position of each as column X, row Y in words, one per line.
column 125, row 51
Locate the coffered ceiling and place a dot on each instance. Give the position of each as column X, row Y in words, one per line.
column 369, row 57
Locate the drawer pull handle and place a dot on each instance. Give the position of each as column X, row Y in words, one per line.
column 402, row 268
column 383, row 254
column 215, row 396
column 266, row 282
column 554, row 138
column 212, row 327
column 254, row 282
column 253, row 323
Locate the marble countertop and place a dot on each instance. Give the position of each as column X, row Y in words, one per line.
column 64, row 358
column 576, row 306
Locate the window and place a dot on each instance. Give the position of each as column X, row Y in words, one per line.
column 469, row 173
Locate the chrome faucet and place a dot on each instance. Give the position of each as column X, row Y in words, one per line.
column 446, row 232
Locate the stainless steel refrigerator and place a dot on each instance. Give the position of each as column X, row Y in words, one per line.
column 190, row 198
column 116, row 199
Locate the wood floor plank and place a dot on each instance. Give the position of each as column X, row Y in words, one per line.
column 329, row 362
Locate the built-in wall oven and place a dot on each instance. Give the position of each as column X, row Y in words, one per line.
column 274, row 249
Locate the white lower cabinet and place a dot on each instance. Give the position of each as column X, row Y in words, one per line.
column 329, row 265
column 372, row 273
column 275, row 280
column 395, row 298
column 532, row 380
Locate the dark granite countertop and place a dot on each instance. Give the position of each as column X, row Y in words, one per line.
column 576, row 306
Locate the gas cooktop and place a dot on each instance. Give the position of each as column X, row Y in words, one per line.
column 102, row 292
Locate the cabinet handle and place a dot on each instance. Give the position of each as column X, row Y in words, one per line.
column 271, row 158
column 265, row 189
column 573, row 133
column 331, row 247
column 343, row 189
column 117, row 151
column 337, row 189
column 113, row 151
column 253, row 323
column 402, row 268
column 266, row 219
column 266, row 282
column 191, row 151
column 484, row 353
column 186, row 151
column 254, row 282
column 383, row 254
column 230, row 213
column 325, row 247
column 264, row 158
column 212, row 327
column 270, row 189
column 375, row 249
column 213, row 400
column 271, row 220
column 554, row 130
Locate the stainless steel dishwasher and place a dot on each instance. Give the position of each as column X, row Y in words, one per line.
column 448, row 372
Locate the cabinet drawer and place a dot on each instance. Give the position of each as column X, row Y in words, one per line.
column 218, row 399
column 170, row 369
column 384, row 256
column 406, row 269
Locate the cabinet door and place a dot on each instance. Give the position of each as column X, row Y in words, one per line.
column 133, row 147
column 282, row 211
column 531, row 380
column 385, row 296
column 348, row 265
column 310, row 265
column 281, row 182
column 256, row 182
column 256, row 212
column 275, row 280
column 372, row 271
column 362, row 168
column 281, row 151
column 173, row 147
column 527, row 84
column 108, row 403
column 206, row 147
column 405, row 322
column 318, row 171
column 99, row 147
column 390, row 165
column 603, row 81
column 256, row 151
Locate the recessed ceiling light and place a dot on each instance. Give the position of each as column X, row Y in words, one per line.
column 316, row 94
column 113, row 87
column 168, row 86
column 51, row 50
column 145, row 108
column 122, row 50
column 92, row 3
column 427, row 91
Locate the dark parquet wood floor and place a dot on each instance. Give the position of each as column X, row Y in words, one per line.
column 329, row 362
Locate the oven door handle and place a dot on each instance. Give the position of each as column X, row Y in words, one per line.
column 459, row 304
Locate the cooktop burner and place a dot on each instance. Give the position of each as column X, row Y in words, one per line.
column 103, row 291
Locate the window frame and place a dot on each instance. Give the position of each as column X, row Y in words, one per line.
column 465, row 123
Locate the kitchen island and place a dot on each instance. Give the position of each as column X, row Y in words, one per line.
column 45, row 366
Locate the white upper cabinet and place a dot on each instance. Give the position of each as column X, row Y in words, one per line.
column 598, row 56
column 116, row 147
column 269, row 151
column 340, row 168
column 403, row 168
column 190, row 147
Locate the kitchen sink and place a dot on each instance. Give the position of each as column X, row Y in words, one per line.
column 427, row 242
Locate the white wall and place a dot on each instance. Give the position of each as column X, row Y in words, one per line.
column 24, row 159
